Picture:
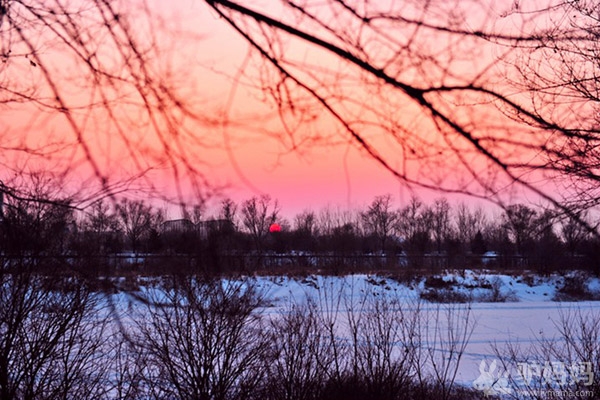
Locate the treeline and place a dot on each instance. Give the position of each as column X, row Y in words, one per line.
column 409, row 234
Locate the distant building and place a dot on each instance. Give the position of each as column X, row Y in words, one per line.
column 177, row 226
column 214, row 226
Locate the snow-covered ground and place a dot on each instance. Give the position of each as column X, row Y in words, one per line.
column 529, row 314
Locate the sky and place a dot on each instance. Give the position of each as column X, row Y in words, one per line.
column 311, row 176
column 258, row 157
column 253, row 156
column 238, row 141
column 250, row 157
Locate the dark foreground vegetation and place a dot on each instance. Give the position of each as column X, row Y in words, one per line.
column 187, row 337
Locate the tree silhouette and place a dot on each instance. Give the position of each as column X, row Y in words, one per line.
column 258, row 213
column 380, row 220
column 521, row 223
column 138, row 220
column 559, row 78
column 415, row 224
column 440, row 218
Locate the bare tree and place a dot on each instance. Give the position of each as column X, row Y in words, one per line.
column 446, row 83
column 469, row 223
column 444, row 336
column 548, row 244
column 414, row 224
column 558, row 74
column 326, row 220
column 195, row 214
column 573, row 233
column 568, row 361
column 100, row 231
column 258, row 213
column 382, row 347
column 128, row 366
column 330, row 219
column 101, row 219
column 520, row 221
column 137, row 220
column 306, row 223
column 228, row 212
column 305, row 231
column 299, row 360
column 441, row 224
column 380, row 220
column 497, row 234
column 383, row 335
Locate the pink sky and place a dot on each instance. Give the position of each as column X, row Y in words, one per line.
column 252, row 155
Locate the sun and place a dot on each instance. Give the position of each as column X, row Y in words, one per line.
column 275, row 227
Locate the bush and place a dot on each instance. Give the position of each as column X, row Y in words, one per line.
column 437, row 282
column 446, row 296
column 202, row 340
column 575, row 288
column 438, row 290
